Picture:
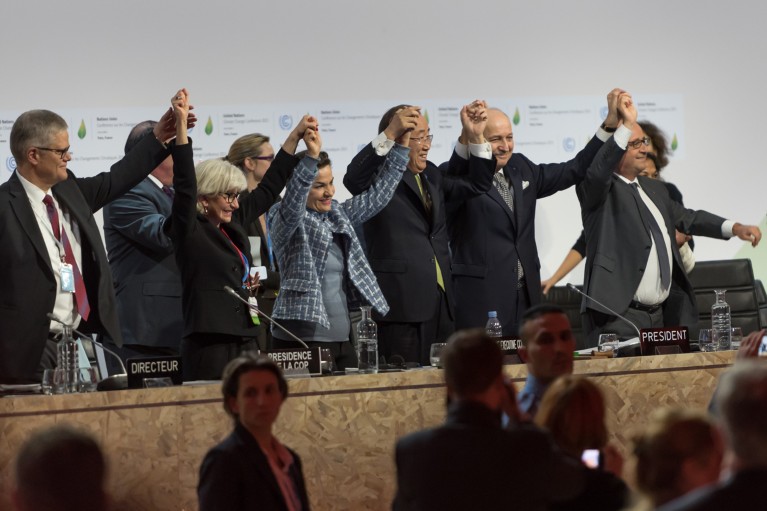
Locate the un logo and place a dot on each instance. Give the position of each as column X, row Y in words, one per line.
column 603, row 113
column 286, row 122
column 10, row 163
column 568, row 144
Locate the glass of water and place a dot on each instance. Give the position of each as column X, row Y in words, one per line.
column 706, row 340
column 736, row 335
column 53, row 381
column 435, row 352
column 609, row 342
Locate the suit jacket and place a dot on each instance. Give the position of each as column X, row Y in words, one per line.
column 618, row 245
column 403, row 240
column 471, row 463
column 487, row 239
column 743, row 491
column 205, row 255
column 147, row 279
column 29, row 286
column 235, row 475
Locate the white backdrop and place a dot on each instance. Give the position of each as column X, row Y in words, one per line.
column 90, row 55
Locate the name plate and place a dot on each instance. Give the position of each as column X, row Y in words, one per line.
column 297, row 361
column 154, row 367
column 509, row 347
column 657, row 341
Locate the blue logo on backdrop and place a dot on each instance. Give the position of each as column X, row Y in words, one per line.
column 286, row 122
column 568, row 144
column 361, row 147
column 603, row 112
column 10, row 163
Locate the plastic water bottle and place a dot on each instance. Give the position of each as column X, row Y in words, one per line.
column 493, row 326
column 66, row 359
column 367, row 342
column 721, row 326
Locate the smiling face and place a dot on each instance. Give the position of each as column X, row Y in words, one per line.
column 258, row 400
column 260, row 164
column 419, row 148
column 218, row 209
column 634, row 161
column 321, row 193
column 548, row 346
column 498, row 133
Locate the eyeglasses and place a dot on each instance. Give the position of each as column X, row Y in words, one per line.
column 421, row 140
column 61, row 152
column 636, row 144
column 263, row 158
column 230, row 197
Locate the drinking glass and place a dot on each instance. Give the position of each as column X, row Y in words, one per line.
column 88, row 379
column 53, row 381
column 435, row 352
column 736, row 335
column 706, row 340
column 609, row 342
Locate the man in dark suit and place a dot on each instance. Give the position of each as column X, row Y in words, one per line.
column 52, row 259
column 147, row 280
column 743, row 408
column 470, row 462
column 633, row 264
column 407, row 242
column 492, row 236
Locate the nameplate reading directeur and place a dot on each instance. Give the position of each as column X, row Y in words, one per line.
column 297, row 361
column 156, row 367
column 656, row 341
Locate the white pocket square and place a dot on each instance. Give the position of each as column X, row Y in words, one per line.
column 525, row 184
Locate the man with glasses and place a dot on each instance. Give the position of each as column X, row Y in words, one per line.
column 52, row 259
column 407, row 242
column 633, row 263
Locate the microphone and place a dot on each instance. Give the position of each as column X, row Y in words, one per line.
column 572, row 287
column 261, row 313
column 112, row 382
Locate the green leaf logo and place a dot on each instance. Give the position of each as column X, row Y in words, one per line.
column 515, row 120
column 209, row 126
column 426, row 115
column 674, row 143
column 81, row 132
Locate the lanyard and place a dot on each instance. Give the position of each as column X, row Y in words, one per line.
column 269, row 250
column 245, row 264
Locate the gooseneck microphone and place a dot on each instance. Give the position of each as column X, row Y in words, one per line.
column 572, row 287
column 261, row 313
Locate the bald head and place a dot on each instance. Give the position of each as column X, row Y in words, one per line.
column 498, row 133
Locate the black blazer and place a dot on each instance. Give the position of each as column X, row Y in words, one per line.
column 402, row 240
column 235, row 475
column 28, row 283
column 743, row 491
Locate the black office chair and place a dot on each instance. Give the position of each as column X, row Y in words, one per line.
column 761, row 299
column 570, row 301
column 737, row 277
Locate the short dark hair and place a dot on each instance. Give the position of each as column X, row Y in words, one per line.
column 34, row 128
column 61, row 469
column 535, row 312
column 245, row 363
column 387, row 117
column 323, row 160
column 138, row 133
column 472, row 361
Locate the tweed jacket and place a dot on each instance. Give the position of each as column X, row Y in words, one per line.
column 302, row 238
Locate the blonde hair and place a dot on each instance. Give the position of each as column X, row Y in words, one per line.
column 247, row 146
column 573, row 410
column 217, row 176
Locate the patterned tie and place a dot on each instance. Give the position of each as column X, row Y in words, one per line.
column 170, row 192
column 427, row 205
column 503, row 188
column 657, row 236
column 81, row 296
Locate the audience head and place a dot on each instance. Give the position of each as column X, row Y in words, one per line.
column 60, row 469
column 742, row 406
column 499, row 134
column 573, row 410
column 40, row 145
column 658, row 144
column 323, row 189
column 219, row 184
column 547, row 342
column 679, row 450
column 634, row 161
column 473, row 365
column 253, row 154
column 253, row 389
column 164, row 171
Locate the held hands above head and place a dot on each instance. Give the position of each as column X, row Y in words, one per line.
column 402, row 124
column 627, row 110
column 165, row 129
column 181, row 107
column 612, row 119
column 307, row 122
column 313, row 142
column 473, row 121
column 747, row 233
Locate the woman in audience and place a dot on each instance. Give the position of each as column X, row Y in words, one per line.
column 573, row 410
column 251, row 469
column 679, row 451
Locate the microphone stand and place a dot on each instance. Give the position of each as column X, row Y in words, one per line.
column 573, row 288
column 261, row 313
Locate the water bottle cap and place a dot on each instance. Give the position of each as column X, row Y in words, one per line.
column 492, row 314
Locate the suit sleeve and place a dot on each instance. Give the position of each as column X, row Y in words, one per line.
column 184, row 211
column 261, row 199
column 219, row 485
column 362, row 169
column 136, row 217
column 555, row 177
column 593, row 190
column 700, row 223
column 463, row 181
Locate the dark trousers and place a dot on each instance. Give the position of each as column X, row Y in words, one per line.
column 605, row 323
column 204, row 355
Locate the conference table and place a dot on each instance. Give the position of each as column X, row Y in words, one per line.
column 343, row 427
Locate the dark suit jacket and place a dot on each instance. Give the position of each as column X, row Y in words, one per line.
column 205, row 256
column 147, row 279
column 235, row 475
column 402, row 240
column 618, row 244
column 487, row 239
column 471, row 463
column 29, row 286
column 744, row 491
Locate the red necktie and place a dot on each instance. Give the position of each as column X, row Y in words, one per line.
column 81, row 297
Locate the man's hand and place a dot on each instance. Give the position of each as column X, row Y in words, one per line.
column 747, row 233
column 313, row 142
column 682, row 238
column 402, row 124
column 180, row 105
column 612, row 119
column 165, row 129
column 627, row 110
column 473, row 121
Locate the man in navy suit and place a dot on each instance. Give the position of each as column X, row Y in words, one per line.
column 147, row 279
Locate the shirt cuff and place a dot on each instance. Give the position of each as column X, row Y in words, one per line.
column 727, row 228
column 603, row 135
column 622, row 136
column 382, row 144
column 462, row 150
column 483, row 151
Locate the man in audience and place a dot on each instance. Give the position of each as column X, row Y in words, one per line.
column 407, row 243
column 52, row 258
column 147, row 280
column 60, row 469
column 633, row 264
column 547, row 349
column 743, row 411
column 470, row 462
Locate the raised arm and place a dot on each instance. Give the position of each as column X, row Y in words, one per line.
column 184, row 210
